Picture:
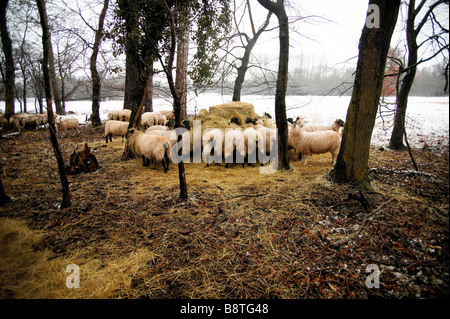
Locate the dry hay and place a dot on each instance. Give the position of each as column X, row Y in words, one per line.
column 29, row 273
column 220, row 115
column 240, row 234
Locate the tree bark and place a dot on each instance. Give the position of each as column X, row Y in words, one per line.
column 182, row 63
column 148, row 104
column 134, row 84
column 52, row 74
column 96, row 83
column 352, row 162
column 4, row 198
column 66, row 201
column 175, row 94
column 282, row 80
column 9, row 61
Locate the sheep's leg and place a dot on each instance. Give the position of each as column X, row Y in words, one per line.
column 305, row 159
column 164, row 166
column 143, row 161
column 106, row 138
column 300, row 157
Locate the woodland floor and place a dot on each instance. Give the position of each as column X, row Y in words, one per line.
column 241, row 234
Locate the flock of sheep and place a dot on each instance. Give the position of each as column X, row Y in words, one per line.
column 157, row 141
column 23, row 121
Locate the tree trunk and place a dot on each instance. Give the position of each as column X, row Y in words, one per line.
column 182, row 64
column 96, row 84
column 282, row 80
column 136, row 113
column 352, row 162
column 134, row 84
column 4, row 198
column 148, row 104
column 396, row 142
column 51, row 121
column 9, row 61
column 176, row 96
column 242, row 70
column 53, row 78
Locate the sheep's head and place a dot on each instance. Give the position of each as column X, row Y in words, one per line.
column 170, row 124
column 186, row 124
column 267, row 115
column 235, row 120
column 129, row 133
column 340, row 122
column 249, row 120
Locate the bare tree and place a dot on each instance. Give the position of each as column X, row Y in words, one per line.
column 96, row 83
column 66, row 201
column 184, row 29
column 9, row 74
column 280, row 95
column 248, row 44
column 412, row 32
column 352, row 162
column 168, row 70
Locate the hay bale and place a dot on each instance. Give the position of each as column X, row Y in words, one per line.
column 229, row 110
column 220, row 115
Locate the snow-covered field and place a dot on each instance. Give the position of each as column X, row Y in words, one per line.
column 427, row 117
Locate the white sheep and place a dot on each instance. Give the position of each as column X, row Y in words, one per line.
column 212, row 141
column 157, row 128
column 234, row 143
column 63, row 124
column 170, row 135
column 147, row 119
column 151, row 147
column 160, row 119
column 335, row 126
column 169, row 114
column 319, row 142
column 124, row 115
column 16, row 120
column 115, row 128
column 251, row 139
column 114, row 115
column 31, row 121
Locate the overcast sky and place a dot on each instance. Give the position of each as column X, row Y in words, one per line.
column 331, row 31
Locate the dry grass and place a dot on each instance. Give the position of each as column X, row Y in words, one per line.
column 240, row 234
column 220, row 115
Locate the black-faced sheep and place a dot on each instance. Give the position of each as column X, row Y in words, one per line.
column 319, row 142
column 114, row 115
column 151, row 148
column 234, row 121
column 115, row 128
column 124, row 115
